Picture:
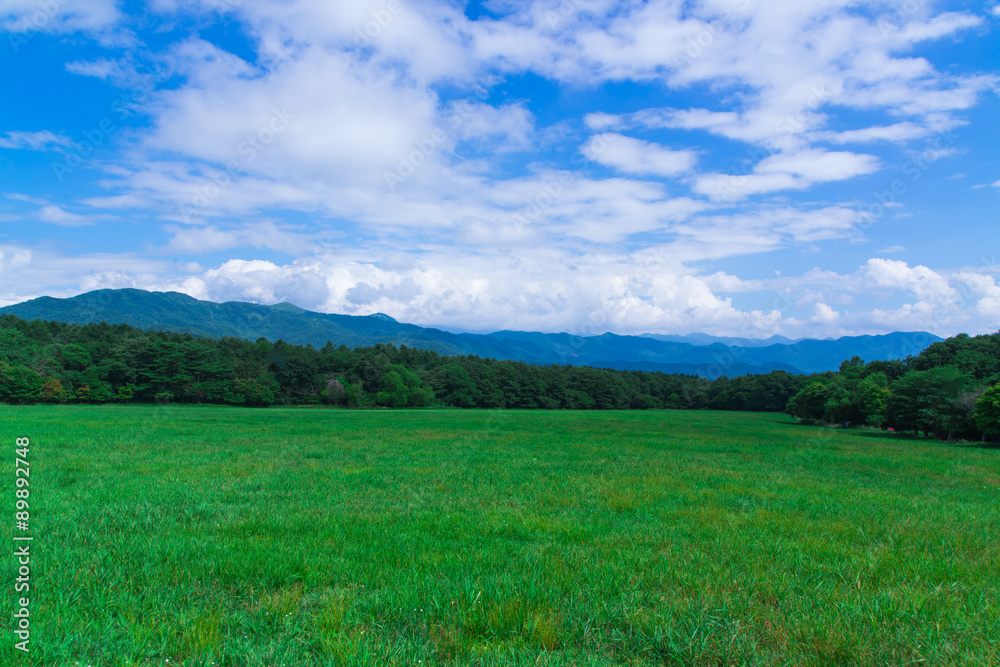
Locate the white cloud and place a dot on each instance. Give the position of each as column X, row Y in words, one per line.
column 634, row 156
column 817, row 166
column 787, row 171
column 331, row 103
column 898, row 132
column 57, row 16
column 601, row 121
column 35, row 141
column 531, row 291
column 540, row 288
column 205, row 240
column 795, row 59
column 364, row 111
column 939, row 26
column 824, row 314
column 315, row 119
column 58, row 216
column 647, row 291
column 927, row 285
column 17, row 196
column 42, row 272
column 507, row 127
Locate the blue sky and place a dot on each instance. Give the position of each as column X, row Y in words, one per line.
column 735, row 167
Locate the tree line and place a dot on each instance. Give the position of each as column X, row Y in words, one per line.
column 55, row 362
column 945, row 391
column 951, row 390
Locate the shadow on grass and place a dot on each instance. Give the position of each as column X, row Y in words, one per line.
column 897, row 436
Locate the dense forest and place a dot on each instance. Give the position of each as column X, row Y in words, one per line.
column 949, row 390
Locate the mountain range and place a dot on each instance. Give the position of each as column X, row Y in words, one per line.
column 695, row 354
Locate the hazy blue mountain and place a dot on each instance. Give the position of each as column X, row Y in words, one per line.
column 705, row 339
column 696, row 354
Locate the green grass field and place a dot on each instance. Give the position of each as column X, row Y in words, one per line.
column 329, row 537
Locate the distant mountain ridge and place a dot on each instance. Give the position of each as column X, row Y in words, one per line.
column 696, row 354
column 705, row 339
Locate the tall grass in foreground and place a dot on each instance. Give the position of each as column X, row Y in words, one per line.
column 328, row 537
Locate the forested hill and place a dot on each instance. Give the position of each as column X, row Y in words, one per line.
column 55, row 362
column 180, row 313
column 951, row 389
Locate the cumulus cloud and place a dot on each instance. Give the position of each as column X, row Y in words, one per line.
column 824, row 314
column 634, row 156
column 787, row 171
column 601, row 121
column 394, row 127
column 29, row 272
column 506, row 127
column 315, row 118
column 535, row 290
column 647, row 291
column 364, row 112
column 924, row 283
column 541, row 289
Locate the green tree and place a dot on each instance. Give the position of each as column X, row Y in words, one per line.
column 53, row 392
column 252, row 391
column 20, row 385
column 97, row 392
column 873, row 397
column 842, row 405
column 455, row 387
column 924, row 400
column 354, row 394
column 810, row 403
column 988, row 411
column 125, row 393
column 75, row 357
column 15, row 347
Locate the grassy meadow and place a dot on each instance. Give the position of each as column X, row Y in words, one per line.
column 240, row 537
